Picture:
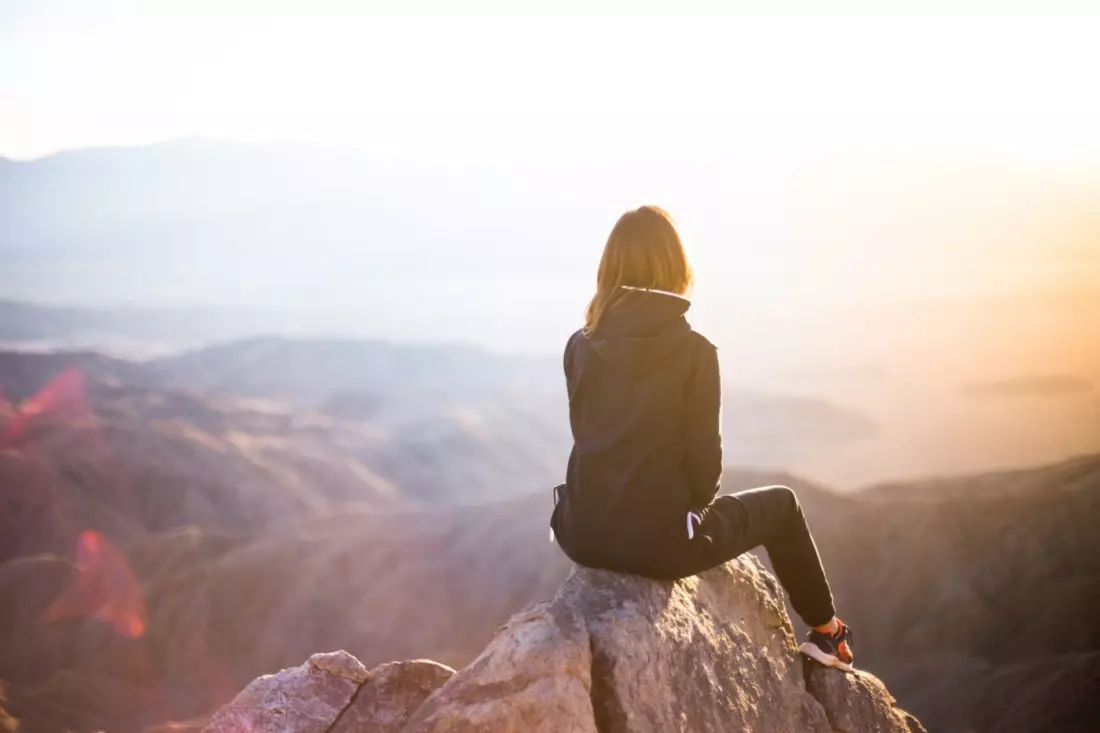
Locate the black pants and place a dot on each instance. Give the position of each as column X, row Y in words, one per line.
column 770, row 517
column 732, row 525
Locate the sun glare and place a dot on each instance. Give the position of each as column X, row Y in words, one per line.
column 545, row 90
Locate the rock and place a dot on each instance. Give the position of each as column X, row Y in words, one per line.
column 858, row 703
column 305, row 699
column 390, row 694
column 610, row 653
column 332, row 693
column 534, row 676
column 711, row 652
column 621, row 653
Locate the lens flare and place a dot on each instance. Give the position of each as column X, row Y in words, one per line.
column 64, row 393
column 104, row 588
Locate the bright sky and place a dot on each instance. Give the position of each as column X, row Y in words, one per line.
column 544, row 90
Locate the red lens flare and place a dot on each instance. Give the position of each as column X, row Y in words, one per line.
column 104, row 589
column 46, row 439
column 64, row 393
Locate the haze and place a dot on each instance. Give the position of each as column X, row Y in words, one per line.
column 891, row 214
column 559, row 90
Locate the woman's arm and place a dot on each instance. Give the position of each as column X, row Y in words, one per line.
column 568, row 359
column 703, row 428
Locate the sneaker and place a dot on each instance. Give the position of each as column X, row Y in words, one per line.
column 832, row 650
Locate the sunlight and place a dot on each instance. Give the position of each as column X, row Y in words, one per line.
column 315, row 317
column 553, row 90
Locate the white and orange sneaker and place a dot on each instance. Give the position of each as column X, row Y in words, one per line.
column 832, row 650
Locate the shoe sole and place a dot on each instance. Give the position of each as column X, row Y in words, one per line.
column 813, row 652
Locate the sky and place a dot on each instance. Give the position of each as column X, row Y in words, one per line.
column 994, row 117
column 601, row 85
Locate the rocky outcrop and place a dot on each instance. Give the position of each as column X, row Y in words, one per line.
column 610, row 653
column 857, row 703
column 305, row 699
column 390, row 694
column 332, row 693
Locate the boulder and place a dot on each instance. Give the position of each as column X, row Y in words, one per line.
column 305, row 699
column 332, row 693
column 858, row 703
column 390, row 694
column 535, row 676
column 623, row 653
column 610, row 653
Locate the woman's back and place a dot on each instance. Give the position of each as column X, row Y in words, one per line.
column 632, row 399
column 643, row 406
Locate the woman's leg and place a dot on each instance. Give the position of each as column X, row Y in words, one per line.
column 772, row 517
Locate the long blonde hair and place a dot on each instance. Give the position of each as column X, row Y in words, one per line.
column 643, row 251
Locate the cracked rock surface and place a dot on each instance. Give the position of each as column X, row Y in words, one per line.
column 610, row 653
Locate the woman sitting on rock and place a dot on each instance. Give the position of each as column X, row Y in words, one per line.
column 644, row 406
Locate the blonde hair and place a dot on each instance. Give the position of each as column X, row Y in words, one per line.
column 643, row 251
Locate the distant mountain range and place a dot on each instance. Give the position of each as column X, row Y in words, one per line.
column 133, row 332
column 344, row 242
column 452, row 424
column 332, row 239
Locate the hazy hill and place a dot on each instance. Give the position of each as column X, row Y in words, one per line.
column 849, row 397
column 974, row 596
column 511, row 401
column 310, row 371
column 129, row 331
column 445, row 423
column 382, row 585
column 128, row 461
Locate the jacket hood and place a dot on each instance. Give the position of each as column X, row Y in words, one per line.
column 640, row 329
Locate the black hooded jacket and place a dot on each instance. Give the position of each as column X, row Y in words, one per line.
column 644, row 406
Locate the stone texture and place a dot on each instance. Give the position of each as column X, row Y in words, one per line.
column 390, row 694
column 620, row 653
column 610, row 653
column 713, row 652
column 858, row 703
column 305, row 699
column 534, row 676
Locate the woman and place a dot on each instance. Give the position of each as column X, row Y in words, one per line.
column 644, row 405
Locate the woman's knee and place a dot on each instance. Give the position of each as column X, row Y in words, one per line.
column 785, row 497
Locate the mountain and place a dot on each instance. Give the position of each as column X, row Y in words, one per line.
column 452, row 425
column 162, row 546
column 442, row 422
column 128, row 331
column 153, row 542
column 973, row 596
column 87, row 444
column 933, row 587
column 222, row 610
column 847, row 397
column 508, row 398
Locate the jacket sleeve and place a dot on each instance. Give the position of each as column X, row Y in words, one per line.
column 568, row 359
column 703, row 428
